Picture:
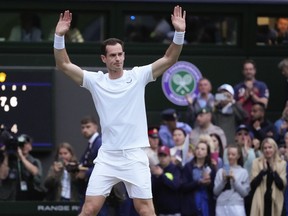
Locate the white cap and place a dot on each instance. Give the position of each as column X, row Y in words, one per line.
column 227, row 88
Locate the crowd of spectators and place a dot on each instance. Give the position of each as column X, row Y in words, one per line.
column 234, row 160
column 224, row 156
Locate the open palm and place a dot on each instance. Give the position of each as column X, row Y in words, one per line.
column 64, row 22
column 178, row 19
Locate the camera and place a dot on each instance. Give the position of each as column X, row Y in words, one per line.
column 11, row 141
column 72, row 167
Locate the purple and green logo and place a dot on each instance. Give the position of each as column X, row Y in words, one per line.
column 180, row 80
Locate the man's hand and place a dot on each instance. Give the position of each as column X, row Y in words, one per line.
column 178, row 19
column 63, row 24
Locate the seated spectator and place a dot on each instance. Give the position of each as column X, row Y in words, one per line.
column 204, row 99
column 165, row 184
column 162, row 30
column 205, row 126
column 232, row 184
column 227, row 114
column 170, row 122
column 61, row 182
column 281, row 124
column 152, row 151
column 260, row 126
column 279, row 35
column 268, row 181
column 29, row 29
column 179, row 153
column 283, row 66
column 74, row 35
column 197, row 184
column 250, row 91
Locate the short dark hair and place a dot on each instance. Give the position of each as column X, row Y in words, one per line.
column 249, row 61
column 110, row 41
column 88, row 119
column 180, row 129
column 262, row 105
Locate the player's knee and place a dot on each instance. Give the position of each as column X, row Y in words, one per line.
column 145, row 209
column 90, row 209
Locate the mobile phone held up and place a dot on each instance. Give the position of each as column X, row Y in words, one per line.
column 220, row 97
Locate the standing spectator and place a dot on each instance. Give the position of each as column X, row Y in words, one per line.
column 286, row 188
column 260, row 125
column 268, row 181
column 152, row 151
column 197, row 184
column 203, row 99
column 256, row 145
column 205, row 126
column 61, row 182
column 216, row 160
column 179, row 153
column 165, row 184
column 170, row 122
column 283, row 66
column 217, row 145
column 89, row 130
column 243, row 138
column 227, row 114
column 281, row 124
column 232, row 185
column 251, row 90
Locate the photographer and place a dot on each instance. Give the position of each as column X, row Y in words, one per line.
column 61, row 182
column 28, row 171
column 20, row 172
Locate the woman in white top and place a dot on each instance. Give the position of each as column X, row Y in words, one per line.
column 231, row 185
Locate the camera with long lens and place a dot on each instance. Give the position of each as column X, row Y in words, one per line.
column 11, row 141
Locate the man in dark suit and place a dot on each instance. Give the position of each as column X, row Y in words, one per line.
column 89, row 130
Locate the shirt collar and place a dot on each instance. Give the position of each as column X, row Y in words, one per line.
column 95, row 135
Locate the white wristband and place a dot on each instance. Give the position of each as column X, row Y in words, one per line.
column 178, row 38
column 59, row 42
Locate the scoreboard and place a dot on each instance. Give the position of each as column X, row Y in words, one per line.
column 26, row 103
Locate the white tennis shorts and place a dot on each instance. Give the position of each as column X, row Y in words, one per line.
column 130, row 166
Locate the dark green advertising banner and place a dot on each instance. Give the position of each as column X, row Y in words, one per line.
column 38, row 208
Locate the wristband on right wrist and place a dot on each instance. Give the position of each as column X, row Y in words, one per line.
column 179, row 38
column 59, row 42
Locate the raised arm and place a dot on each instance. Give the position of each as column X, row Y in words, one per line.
column 62, row 60
column 173, row 52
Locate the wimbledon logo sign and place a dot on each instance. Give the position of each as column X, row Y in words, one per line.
column 180, row 80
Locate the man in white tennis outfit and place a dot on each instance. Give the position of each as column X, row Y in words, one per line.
column 120, row 103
